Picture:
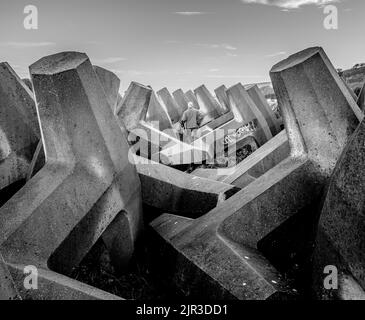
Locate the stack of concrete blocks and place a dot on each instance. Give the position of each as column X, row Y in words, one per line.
column 87, row 190
column 19, row 128
column 231, row 251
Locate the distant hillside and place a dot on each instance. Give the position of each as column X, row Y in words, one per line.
column 354, row 77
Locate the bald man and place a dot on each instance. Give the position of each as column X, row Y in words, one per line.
column 190, row 122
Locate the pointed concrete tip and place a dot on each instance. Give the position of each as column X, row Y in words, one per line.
column 58, row 63
column 137, row 84
column 296, row 59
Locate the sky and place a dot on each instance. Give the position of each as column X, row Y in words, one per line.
column 182, row 43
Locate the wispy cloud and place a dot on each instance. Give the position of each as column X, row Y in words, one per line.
column 276, row 54
column 214, row 70
column 233, row 55
column 217, row 46
column 191, row 13
column 291, row 4
column 172, row 41
column 109, row 60
column 23, row 45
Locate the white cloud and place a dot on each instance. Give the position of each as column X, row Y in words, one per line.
column 213, row 70
column 217, row 46
column 291, row 4
column 23, row 45
column 276, row 54
column 191, row 13
column 109, row 60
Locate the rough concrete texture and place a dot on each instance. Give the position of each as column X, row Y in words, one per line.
column 190, row 95
column 264, row 216
column 110, row 83
column 222, row 97
column 19, row 128
column 181, row 100
column 259, row 99
column 341, row 241
column 86, row 184
column 210, row 107
column 8, row 290
column 173, row 109
column 171, row 190
column 134, row 105
column 243, row 107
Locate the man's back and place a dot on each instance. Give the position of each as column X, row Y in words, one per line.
column 190, row 117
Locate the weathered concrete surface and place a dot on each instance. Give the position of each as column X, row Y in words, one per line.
column 224, row 242
column 19, row 128
column 190, row 95
column 259, row 99
column 173, row 109
column 177, row 192
column 254, row 166
column 341, row 239
column 86, row 183
column 222, row 97
column 8, row 290
column 134, row 105
column 210, row 108
column 243, row 107
column 110, row 83
column 181, row 100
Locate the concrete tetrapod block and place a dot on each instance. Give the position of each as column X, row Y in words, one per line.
column 171, row 190
column 19, row 128
column 158, row 116
column 134, row 105
column 181, row 100
column 209, row 107
column 264, row 216
column 259, row 99
column 173, row 109
column 110, row 83
column 245, row 108
column 191, row 97
column 341, row 234
column 254, row 166
column 222, row 97
column 86, row 187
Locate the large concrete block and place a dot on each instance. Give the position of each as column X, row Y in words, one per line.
column 173, row 109
column 190, row 95
column 222, row 97
column 254, row 166
column 19, row 128
column 210, row 108
column 231, row 243
column 181, row 100
column 245, row 109
column 259, row 99
column 171, row 190
column 158, row 116
column 86, row 185
column 134, row 105
column 110, row 83
column 341, row 234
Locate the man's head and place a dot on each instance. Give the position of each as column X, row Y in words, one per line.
column 190, row 105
